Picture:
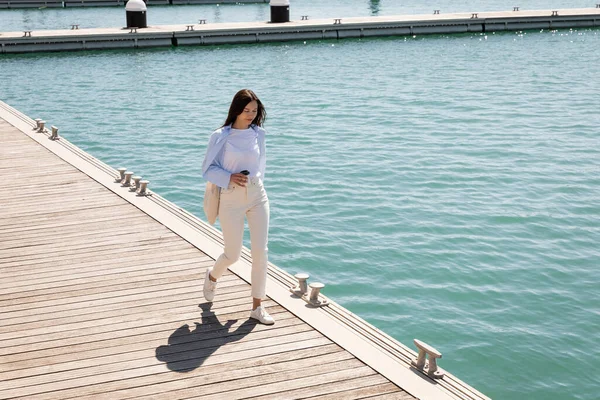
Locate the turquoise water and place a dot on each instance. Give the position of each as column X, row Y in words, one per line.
column 443, row 187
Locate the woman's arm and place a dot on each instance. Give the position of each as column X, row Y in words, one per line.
column 212, row 170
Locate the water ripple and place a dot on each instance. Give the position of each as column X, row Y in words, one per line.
column 444, row 188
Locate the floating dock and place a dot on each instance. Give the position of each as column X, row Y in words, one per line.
column 14, row 4
column 101, row 297
column 203, row 34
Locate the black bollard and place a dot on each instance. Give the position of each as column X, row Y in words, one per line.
column 280, row 11
column 136, row 14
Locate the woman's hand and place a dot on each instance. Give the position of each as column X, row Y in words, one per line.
column 238, row 179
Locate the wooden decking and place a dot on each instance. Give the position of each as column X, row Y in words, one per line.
column 98, row 299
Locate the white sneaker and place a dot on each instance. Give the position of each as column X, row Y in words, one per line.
column 209, row 286
column 262, row 316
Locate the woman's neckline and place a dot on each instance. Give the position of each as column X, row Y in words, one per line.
column 241, row 129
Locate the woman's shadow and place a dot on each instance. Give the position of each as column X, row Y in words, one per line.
column 188, row 349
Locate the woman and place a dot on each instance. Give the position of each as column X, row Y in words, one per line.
column 235, row 161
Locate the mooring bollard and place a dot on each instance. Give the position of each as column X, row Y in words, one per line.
column 37, row 124
column 143, row 188
column 41, row 126
column 436, row 12
column 419, row 363
column 313, row 300
column 302, row 287
column 54, row 133
column 555, row 13
column 280, row 11
column 515, row 8
column 127, row 179
column 136, row 14
column 136, row 180
column 121, row 174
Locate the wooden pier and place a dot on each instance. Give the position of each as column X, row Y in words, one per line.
column 200, row 33
column 101, row 297
column 16, row 4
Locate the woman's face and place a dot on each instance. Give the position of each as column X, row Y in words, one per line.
column 248, row 115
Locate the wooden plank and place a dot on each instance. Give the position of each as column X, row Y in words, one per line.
column 32, row 282
column 85, row 297
column 187, row 265
column 26, row 151
column 20, row 167
column 60, row 375
column 212, row 370
column 137, row 314
column 45, row 322
column 34, row 184
column 29, row 150
column 142, row 337
column 173, row 316
column 95, row 307
column 41, row 177
column 133, row 272
column 247, row 333
column 91, row 245
column 113, row 301
column 137, row 334
column 70, row 257
column 400, row 395
column 117, row 220
column 123, row 255
column 123, row 212
column 87, row 202
column 91, row 231
column 117, row 215
column 347, row 389
column 32, row 187
column 271, row 383
column 75, row 255
column 51, row 199
column 27, row 189
column 39, row 184
column 232, row 372
column 60, row 201
column 9, row 318
column 215, row 364
column 95, row 233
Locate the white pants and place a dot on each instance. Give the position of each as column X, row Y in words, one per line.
column 252, row 202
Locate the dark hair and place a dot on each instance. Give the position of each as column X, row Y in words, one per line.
column 239, row 102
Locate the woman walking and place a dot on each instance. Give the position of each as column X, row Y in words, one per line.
column 235, row 161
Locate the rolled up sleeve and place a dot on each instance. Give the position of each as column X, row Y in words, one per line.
column 212, row 170
column 217, row 175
